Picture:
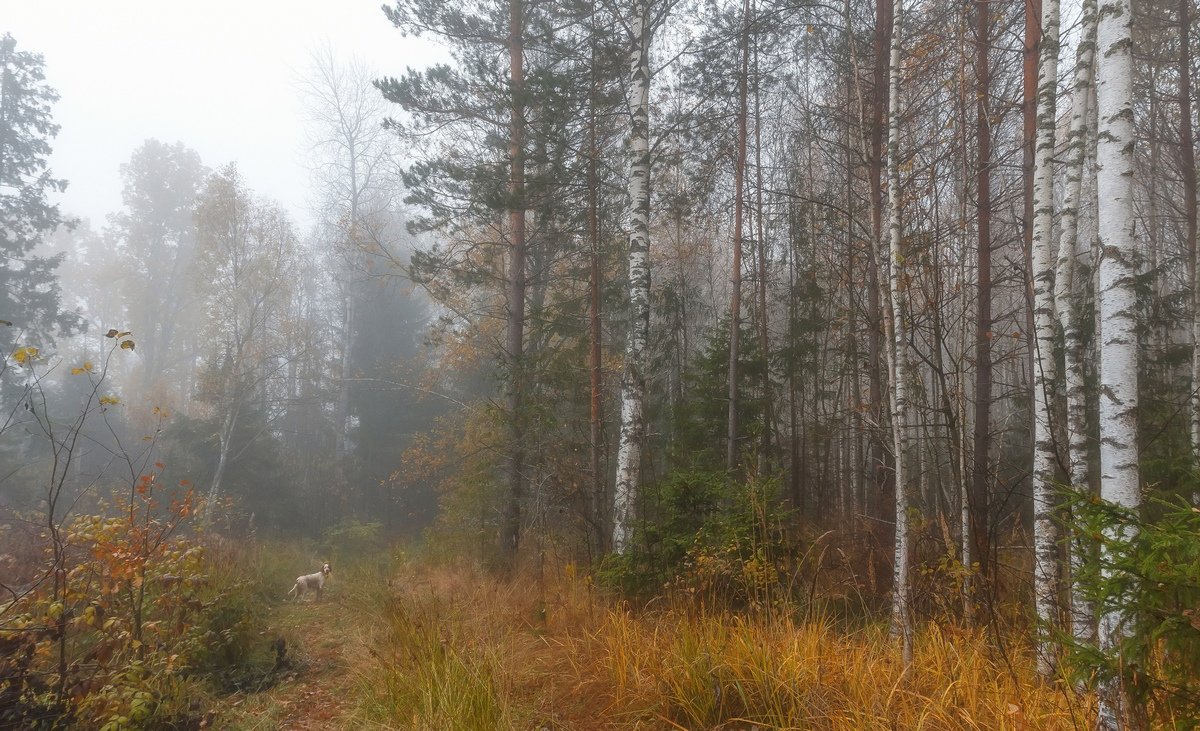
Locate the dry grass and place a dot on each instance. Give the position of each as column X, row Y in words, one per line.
column 455, row 649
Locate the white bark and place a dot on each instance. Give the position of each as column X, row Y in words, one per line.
column 633, row 381
column 1069, row 300
column 1119, row 479
column 901, row 612
column 224, row 444
column 1045, row 458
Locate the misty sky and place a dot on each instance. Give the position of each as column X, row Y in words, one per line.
column 218, row 75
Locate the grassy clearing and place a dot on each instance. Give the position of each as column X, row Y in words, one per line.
column 455, row 649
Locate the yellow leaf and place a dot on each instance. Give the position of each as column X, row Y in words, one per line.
column 127, row 345
column 109, row 400
column 76, row 371
column 25, row 354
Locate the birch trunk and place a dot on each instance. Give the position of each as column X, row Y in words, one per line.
column 1045, row 458
column 1119, row 478
column 901, row 619
column 633, row 380
column 224, row 445
column 1068, row 299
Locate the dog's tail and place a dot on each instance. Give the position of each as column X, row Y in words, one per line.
column 292, row 593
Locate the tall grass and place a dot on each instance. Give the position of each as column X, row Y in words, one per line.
column 426, row 671
column 723, row 671
column 456, row 649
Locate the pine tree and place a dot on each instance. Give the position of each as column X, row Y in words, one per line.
column 31, row 308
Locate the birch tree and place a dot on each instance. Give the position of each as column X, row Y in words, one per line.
column 1045, row 549
column 1119, row 474
column 245, row 252
column 633, row 380
column 898, row 349
column 1069, row 290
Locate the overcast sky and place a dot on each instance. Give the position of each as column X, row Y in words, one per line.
column 217, row 75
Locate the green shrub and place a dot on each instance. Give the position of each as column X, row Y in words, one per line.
column 705, row 535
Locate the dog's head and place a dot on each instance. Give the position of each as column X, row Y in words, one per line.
column 326, row 570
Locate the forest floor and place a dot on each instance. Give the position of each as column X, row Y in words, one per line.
column 435, row 648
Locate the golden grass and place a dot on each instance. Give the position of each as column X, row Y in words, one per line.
column 456, row 649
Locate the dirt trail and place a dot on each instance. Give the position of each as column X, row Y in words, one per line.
column 316, row 693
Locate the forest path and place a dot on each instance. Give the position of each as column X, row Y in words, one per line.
column 317, row 691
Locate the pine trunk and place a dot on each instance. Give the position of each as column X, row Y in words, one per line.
column 599, row 496
column 979, row 497
column 510, row 528
column 735, row 302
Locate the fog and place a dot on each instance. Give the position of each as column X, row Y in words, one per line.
column 220, row 297
column 220, row 76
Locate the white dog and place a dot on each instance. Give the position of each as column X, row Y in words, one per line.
column 310, row 582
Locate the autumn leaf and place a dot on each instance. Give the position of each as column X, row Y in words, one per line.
column 109, row 400
column 127, row 345
column 25, row 354
column 111, row 333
